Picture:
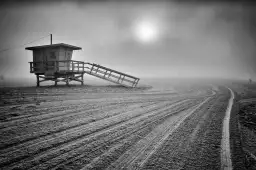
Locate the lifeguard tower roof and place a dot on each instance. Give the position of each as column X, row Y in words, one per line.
column 54, row 45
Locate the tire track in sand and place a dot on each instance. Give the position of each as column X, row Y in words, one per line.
column 226, row 162
column 38, row 143
column 98, row 129
column 100, row 143
column 31, row 132
column 138, row 155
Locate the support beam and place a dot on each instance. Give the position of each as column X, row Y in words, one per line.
column 66, row 78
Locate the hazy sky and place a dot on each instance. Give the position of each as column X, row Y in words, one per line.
column 187, row 39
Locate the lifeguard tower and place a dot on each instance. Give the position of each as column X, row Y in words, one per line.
column 53, row 63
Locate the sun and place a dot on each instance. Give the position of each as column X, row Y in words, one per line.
column 146, row 31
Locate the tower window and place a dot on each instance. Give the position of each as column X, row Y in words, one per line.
column 52, row 55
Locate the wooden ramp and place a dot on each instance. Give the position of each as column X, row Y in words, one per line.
column 111, row 75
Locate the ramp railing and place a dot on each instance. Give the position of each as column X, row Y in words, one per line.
column 111, row 75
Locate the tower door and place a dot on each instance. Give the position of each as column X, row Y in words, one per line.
column 51, row 58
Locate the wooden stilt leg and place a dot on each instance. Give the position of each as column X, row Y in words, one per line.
column 82, row 83
column 67, row 82
column 37, row 82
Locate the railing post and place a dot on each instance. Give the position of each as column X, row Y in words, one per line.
column 97, row 70
column 122, row 79
column 119, row 78
column 109, row 74
column 134, row 83
column 91, row 68
column 137, row 80
column 105, row 73
column 72, row 66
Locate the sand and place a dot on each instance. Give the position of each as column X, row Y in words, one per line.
column 112, row 127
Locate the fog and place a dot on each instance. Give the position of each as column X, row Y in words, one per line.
column 191, row 40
